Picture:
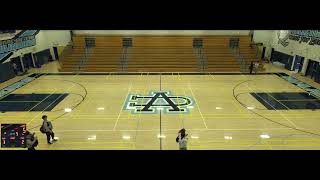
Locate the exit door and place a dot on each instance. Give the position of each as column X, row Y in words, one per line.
column 298, row 63
column 312, row 67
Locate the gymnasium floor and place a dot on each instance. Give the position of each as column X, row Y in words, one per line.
column 222, row 114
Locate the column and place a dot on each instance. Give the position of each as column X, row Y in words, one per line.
column 22, row 65
column 33, row 62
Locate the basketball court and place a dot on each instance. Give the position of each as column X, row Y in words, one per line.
column 145, row 111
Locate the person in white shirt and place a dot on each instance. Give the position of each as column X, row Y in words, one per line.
column 182, row 139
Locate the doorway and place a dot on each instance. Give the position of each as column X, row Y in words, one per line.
column 298, row 63
column 311, row 69
column 56, row 54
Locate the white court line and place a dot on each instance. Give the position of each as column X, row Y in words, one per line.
column 251, row 117
column 156, row 130
column 273, row 107
column 50, row 103
column 115, row 125
column 204, row 122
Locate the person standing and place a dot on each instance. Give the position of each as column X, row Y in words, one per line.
column 251, row 67
column 47, row 128
column 31, row 141
column 182, row 139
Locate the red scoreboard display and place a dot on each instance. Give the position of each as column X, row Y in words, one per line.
column 13, row 135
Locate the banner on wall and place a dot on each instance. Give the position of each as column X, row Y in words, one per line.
column 23, row 39
column 312, row 37
column 16, row 44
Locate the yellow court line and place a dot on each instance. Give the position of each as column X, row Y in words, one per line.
column 121, row 108
column 214, row 117
column 93, row 142
column 39, row 102
column 277, row 101
column 273, row 107
column 185, row 94
column 180, row 113
column 234, row 142
column 262, row 145
column 204, row 122
column 302, row 115
column 51, row 103
column 250, row 141
column 88, row 148
column 152, row 130
column 144, row 92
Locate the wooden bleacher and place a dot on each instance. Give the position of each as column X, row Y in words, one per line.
column 105, row 57
column 155, row 54
column 162, row 54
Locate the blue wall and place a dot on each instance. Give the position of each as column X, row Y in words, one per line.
column 43, row 56
column 282, row 58
column 6, row 72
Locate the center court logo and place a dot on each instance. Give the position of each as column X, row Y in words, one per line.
column 158, row 101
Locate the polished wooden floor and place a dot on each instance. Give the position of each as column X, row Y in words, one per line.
column 217, row 120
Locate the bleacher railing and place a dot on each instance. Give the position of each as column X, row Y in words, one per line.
column 84, row 58
column 124, row 58
column 197, row 45
column 66, row 50
column 240, row 59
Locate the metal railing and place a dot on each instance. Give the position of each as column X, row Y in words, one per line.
column 240, row 59
column 124, row 58
column 84, row 58
column 200, row 58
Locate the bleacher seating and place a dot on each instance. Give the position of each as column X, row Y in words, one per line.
column 155, row 54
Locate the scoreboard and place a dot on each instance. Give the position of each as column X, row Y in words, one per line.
column 13, row 135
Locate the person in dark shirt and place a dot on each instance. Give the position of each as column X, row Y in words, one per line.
column 48, row 129
column 251, row 67
column 31, row 141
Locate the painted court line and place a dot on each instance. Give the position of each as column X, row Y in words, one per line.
column 115, row 125
column 272, row 107
column 150, row 130
column 50, row 103
column 204, row 122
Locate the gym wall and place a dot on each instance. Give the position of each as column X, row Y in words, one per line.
column 161, row 32
column 270, row 40
column 46, row 39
